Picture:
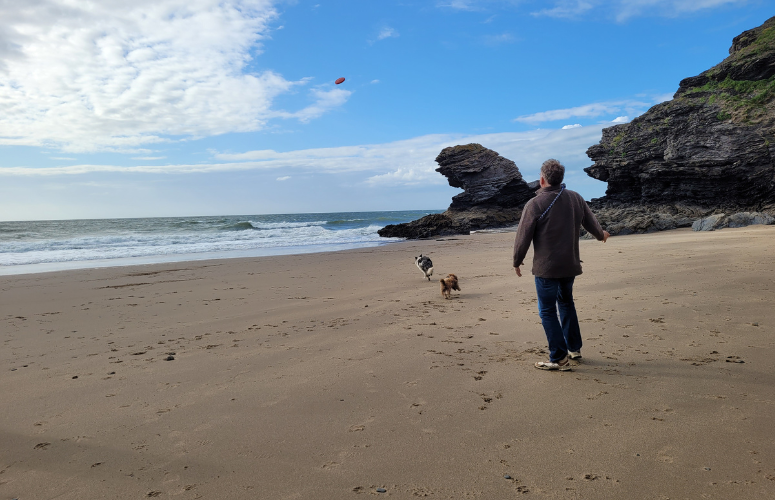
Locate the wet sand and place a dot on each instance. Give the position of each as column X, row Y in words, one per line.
column 331, row 375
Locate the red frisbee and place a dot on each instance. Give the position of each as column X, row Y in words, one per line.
column 339, row 80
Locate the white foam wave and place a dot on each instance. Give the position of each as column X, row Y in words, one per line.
column 285, row 225
column 137, row 244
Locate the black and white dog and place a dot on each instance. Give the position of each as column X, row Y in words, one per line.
column 425, row 265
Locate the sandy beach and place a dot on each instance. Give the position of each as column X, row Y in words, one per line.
column 333, row 375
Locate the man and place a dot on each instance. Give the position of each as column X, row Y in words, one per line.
column 551, row 221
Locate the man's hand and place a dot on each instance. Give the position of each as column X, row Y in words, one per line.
column 605, row 236
column 519, row 273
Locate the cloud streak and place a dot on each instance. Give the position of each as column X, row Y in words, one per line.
column 593, row 110
column 409, row 162
column 668, row 8
column 116, row 76
column 620, row 10
column 387, row 32
column 566, row 9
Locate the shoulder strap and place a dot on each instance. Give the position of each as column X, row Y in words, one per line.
column 552, row 203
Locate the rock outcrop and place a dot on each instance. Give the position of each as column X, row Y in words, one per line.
column 494, row 195
column 705, row 159
column 710, row 149
column 740, row 219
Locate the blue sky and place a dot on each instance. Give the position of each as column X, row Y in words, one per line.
column 204, row 107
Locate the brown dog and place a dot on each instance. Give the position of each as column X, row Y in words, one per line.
column 448, row 284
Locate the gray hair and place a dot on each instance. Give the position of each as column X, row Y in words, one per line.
column 553, row 171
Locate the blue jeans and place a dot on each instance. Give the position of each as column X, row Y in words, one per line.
column 563, row 334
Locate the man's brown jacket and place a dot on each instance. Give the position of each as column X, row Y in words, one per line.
column 555, row 238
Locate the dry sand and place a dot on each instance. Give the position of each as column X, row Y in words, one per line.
column 327, row 376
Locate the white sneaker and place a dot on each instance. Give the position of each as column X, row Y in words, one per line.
column 563, row 365
column 574, row 354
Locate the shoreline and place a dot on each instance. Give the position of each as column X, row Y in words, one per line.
column 330, row 375
column 48, row 267
column 128, row 262
column 40, row 246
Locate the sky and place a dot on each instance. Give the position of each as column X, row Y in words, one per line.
column 156, row 108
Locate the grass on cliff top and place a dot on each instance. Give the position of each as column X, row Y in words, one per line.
column 741, row 100
column 745, row 102
column 766, row 39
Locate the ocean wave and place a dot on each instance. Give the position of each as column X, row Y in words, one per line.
column 343, row 221
column 144, row 245
column 240, row 226
column 285, row 225
column 86, row 240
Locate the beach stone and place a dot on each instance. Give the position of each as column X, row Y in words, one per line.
column 743, row 219
column 169, row 358
column 711, row 223
column 506, row 476
column 381, row 490
column 623, row 219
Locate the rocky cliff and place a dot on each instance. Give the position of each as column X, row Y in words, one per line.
column 493, row 195
column 704, row 159
column 711, row 149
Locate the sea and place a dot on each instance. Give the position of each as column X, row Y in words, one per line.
column 42, row 246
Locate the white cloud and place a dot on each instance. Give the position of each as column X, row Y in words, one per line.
column 387, row 32
column 284, row 178
column 498, row 39
column 403, row 176
column 458, row 4
column 149, row 158
column 62, row 158
column 594, row 110
column 667, row 8
column 115, row 75
column 575, row 125
column 620, row 10
column 325, row 100
column 374, row 81
column 407, row 162
column 663, row 97
column 566, row 9
column 621, row 119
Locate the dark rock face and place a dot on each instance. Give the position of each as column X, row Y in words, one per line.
column 621, row 219
column 494, row 195
column 487, row 178
column 710, row 148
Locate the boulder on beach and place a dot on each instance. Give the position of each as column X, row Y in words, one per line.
column 739, row 219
